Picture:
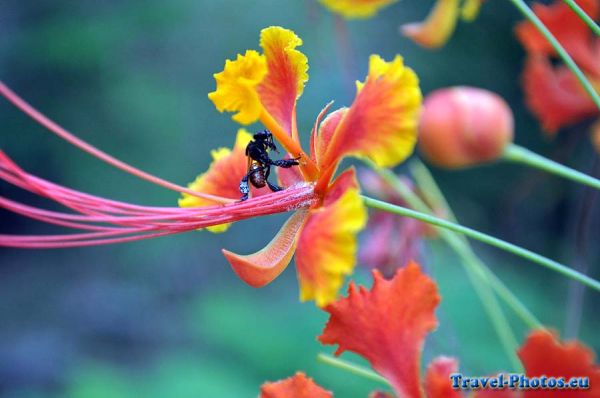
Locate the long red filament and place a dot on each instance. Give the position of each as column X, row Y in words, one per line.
column 107, row 221
column 64, row 134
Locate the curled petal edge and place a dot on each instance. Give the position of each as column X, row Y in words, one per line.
column 261, row 268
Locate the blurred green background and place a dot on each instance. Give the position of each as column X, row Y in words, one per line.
column 167, row 317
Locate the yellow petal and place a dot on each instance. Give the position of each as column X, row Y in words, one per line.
column 381, row 124
column 327, row 246
column 470, row 9
column 356, row 8
column 435, row 31
column 237, row 87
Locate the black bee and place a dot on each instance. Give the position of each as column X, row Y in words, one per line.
column 259, row 163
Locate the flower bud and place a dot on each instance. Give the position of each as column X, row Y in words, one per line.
column 464, row 126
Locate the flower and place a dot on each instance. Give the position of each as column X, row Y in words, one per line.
column 389, row 239
column 379, row 125
column 297, row 386
column 464, row 126
column 439, row 25
column 553, row 93
column 356, row 8
column 106, row 221
column 387, row 325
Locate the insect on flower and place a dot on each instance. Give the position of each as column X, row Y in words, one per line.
column 259, row 163
column 381, row 124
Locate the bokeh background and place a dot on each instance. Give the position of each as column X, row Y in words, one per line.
column 167, row 317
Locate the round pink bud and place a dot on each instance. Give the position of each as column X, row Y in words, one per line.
column 464, row 126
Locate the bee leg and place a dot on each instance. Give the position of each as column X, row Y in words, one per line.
column 244, row 188
column 273, row 187
column 285, row 163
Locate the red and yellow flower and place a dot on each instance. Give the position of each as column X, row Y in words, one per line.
column 387, row 325
column 552, row 92
column 380, row 124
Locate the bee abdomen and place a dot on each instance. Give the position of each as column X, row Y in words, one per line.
column 257, row 178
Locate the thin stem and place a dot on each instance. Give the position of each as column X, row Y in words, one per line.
column 434, row 195
column 86, row 147
column 517, row 154
column 583, row 16
column 488, row 239
column 529, row 14
column 351, row 368
column 471, row 263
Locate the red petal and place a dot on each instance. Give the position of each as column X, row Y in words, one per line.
column 297, row 386
column 437, row 379
column 543, row 354
column 569, row 30
column 554, row 95
column 387, row 325
column 264, row 266
column 325, row 133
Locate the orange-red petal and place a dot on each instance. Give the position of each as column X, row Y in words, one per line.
column 297, row 386
column 569, row 30
column 543, row 354
column 554, row 95
column 262, row 267
column 387, row 325
column 286, row 76
column 437, row 28
column 381, row 124
column 327, row 245
column 437, row 378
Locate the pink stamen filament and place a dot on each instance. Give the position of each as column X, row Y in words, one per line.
column 110, row 221
column 64, row 134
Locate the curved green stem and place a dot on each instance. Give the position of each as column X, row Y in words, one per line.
column 530, row 15
column 518, row 154
column 583, row 16
column 480, row 236
column 352, row 368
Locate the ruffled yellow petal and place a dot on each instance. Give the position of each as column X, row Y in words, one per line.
column 327, row 247
column 222, row 177
column 470, row 9
column 286, row 76
column 381, row 124
column 435, row 31
column 356, row 8
column 237, row 87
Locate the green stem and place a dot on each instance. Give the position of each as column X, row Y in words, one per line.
column 352, row 368
column 480, row 236
column 434, row 195
column 470, row 263
column 529, row 14
column 583, row 16
column 517, row 154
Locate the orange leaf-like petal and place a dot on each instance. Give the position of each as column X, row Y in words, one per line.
column 262, row 267
column 381, row 124
column 387, row 325
column 437, row 28
column 297, row 386
column 437, row 378
column 287, row 73
column 543, row 354
column 327, row 245
column 569, row 30
column 554, row 95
